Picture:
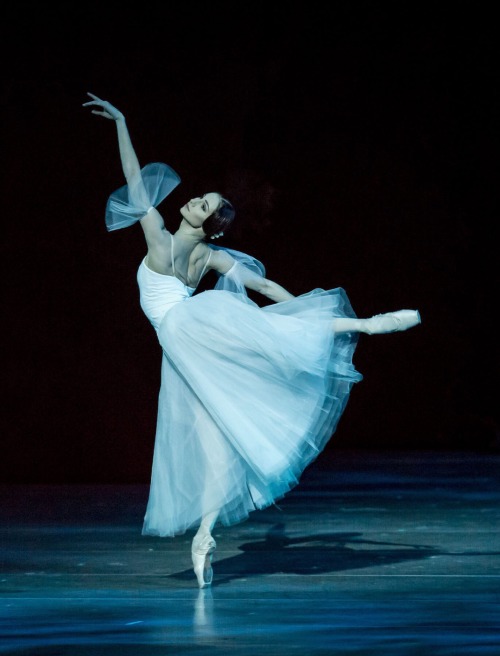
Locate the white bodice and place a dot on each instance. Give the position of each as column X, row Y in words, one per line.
column 159, row 293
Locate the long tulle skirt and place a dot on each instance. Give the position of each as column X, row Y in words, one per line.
column 249, row 397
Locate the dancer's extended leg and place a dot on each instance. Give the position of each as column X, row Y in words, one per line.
column 202, row 550
column 391, row 322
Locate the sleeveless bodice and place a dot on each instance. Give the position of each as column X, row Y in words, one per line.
column 159, row 293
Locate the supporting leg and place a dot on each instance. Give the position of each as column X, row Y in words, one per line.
column 208, row 523
column 202, row 550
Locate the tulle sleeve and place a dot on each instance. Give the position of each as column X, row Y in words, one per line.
column 244, row 268
column 131, row 203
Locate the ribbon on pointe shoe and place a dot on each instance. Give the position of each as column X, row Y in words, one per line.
column 391, row 322
column 202, row 550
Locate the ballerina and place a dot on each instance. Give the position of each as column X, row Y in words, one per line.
column 249, row 395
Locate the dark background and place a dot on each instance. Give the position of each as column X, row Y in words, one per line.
column 356, row 140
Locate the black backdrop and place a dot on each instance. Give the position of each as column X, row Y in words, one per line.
column 355, row 139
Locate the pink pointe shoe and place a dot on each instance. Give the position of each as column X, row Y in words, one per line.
column 391, row 322
column 202, row 550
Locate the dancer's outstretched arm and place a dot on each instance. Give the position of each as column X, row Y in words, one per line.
column 222, row 262
column 152, row 223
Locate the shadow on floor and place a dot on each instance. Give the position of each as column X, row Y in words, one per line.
column 311, row 554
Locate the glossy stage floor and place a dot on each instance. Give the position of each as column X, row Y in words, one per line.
column 382, row 553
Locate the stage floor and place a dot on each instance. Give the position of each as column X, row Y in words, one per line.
column 382, row 553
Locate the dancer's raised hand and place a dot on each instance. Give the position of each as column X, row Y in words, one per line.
column 107, row 109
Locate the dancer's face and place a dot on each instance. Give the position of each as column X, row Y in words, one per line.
column 198, row 209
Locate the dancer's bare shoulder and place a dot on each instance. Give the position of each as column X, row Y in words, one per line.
column 220, row 260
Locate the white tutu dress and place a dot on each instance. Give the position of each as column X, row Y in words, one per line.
column 249, row 395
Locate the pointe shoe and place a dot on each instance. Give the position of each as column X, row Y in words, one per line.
column 202, row 551
column 391, row 322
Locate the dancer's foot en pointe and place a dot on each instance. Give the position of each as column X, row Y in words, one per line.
column 202, row 550
column 391, row 322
